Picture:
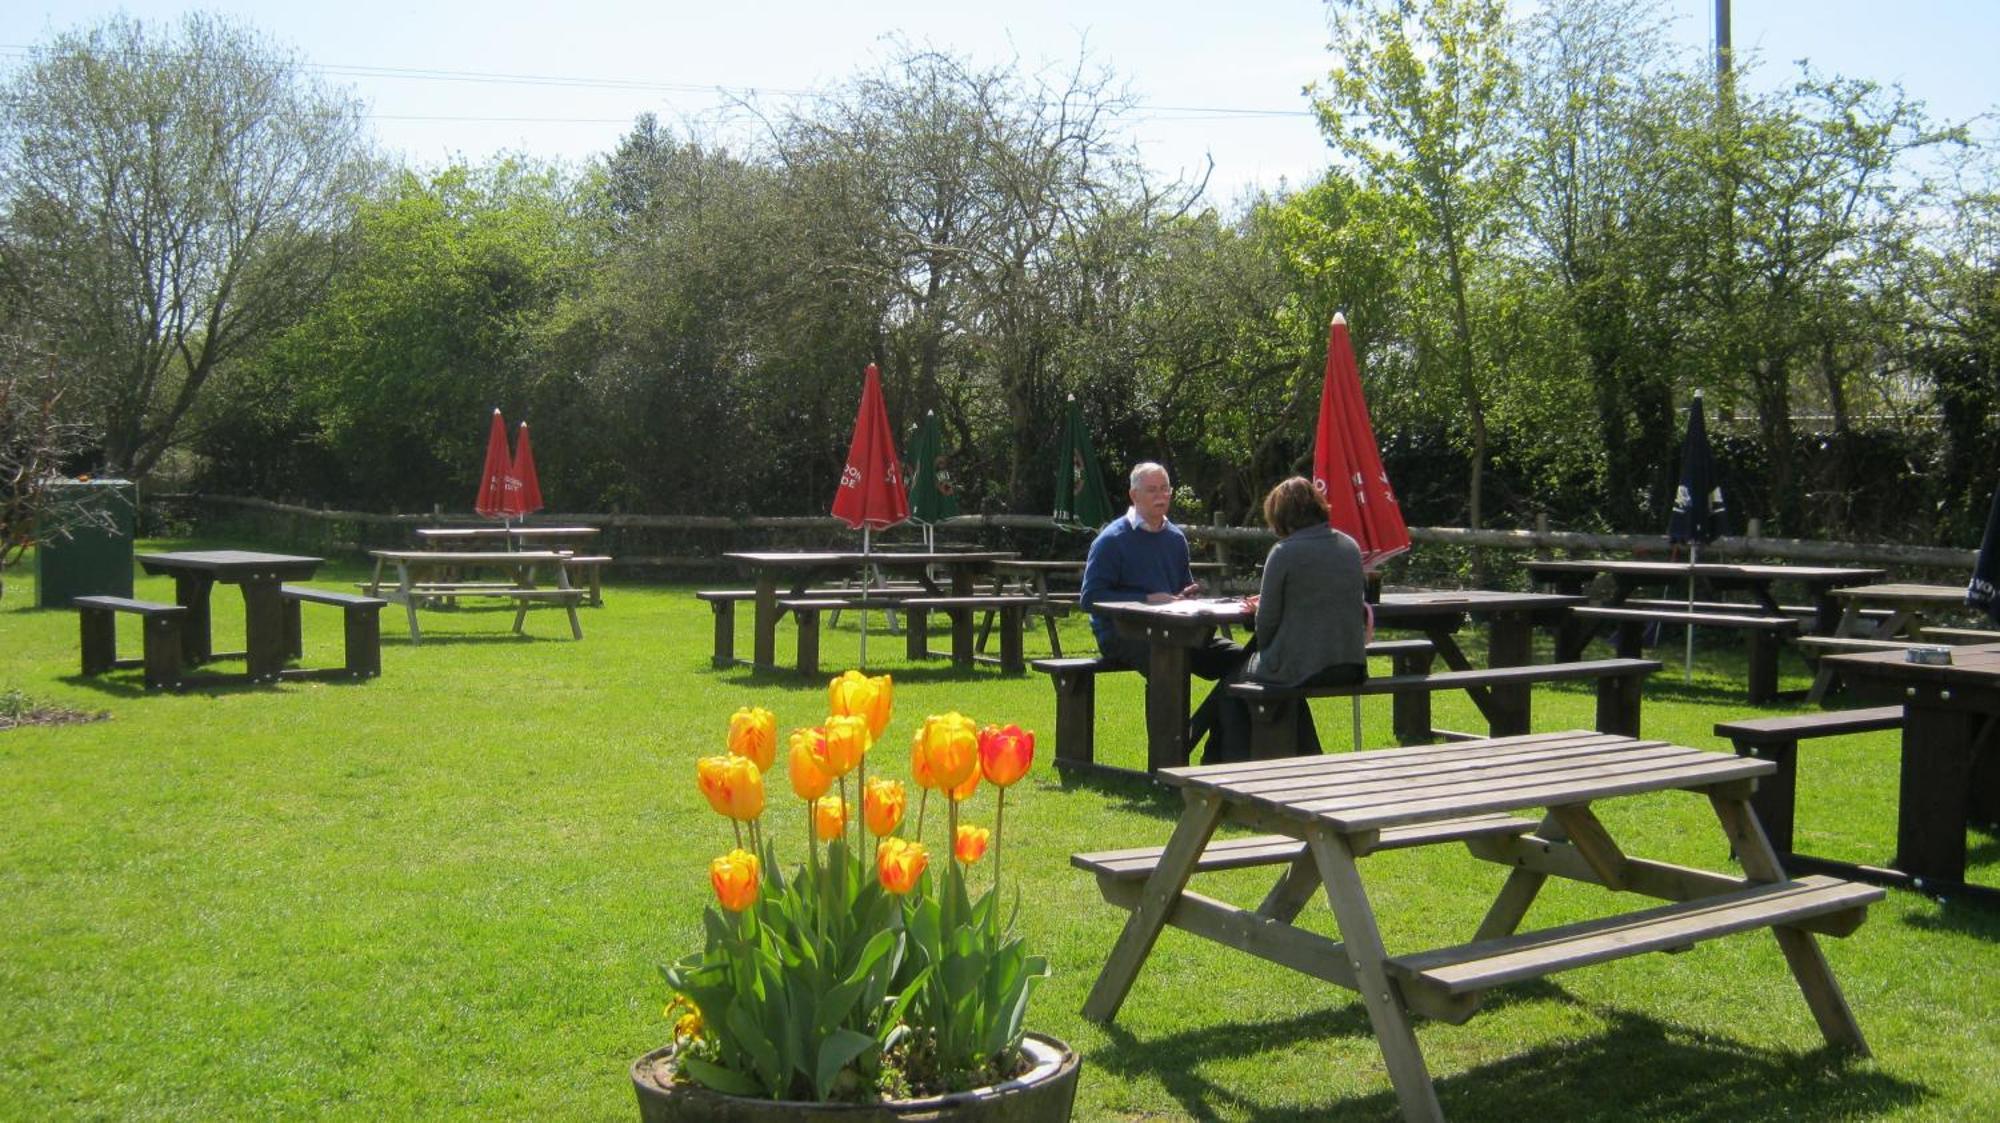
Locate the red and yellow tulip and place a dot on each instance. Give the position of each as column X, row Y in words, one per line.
column 734, row 786
column 734, row 876
column 753, row 733
column 970, row 845
column 883, row 804
column 1005, row 753
column 899, row 863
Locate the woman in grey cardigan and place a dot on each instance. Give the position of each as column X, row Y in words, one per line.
column 1312, row 615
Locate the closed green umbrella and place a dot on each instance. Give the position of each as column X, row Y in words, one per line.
column 1081, row 499
column 932, row 496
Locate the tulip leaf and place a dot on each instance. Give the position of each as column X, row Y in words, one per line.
column 725, row 1080
column 836, row 1051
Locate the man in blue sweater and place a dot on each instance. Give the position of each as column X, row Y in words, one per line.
column 1143, row 557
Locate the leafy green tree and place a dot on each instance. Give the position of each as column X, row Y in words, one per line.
column 173, row 200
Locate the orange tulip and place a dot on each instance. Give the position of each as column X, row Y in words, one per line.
column 847, row 740
column 899, row 863
column 949, row 746
column 920, row 768
column 808, row 764
column 855, row 694
column 734, row 876
column 733, row 784
column 753, row 733
column 964, row 791
column 970, row 846
column 882, row 805
column 829, row 817
column 1005, row 753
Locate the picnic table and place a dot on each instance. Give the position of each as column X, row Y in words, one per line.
column 1759, row 582
column 773, row 570
column 1950, row 774
column 1174, row 629
column 514, row 537
column 1882, row 617
column 432, row 574
column 261, row 577
column 1328, row 812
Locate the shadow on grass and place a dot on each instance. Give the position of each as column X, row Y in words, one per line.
column 1639, row 1068
column 1960, row 915
column 782, row 676
column 1133, row 791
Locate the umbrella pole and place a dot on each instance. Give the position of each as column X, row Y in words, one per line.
column 864, row 598
column 1356, row 699
column 1687, row 658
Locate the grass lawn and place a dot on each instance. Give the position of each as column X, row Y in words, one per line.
column 443, row 893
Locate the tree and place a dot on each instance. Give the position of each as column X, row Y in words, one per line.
column 1418, row 102
column 35, row 445
column 173, row 200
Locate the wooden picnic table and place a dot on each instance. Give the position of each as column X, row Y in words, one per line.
column 1881, row 614
column 514, row 537
column 1175, row 628
column 261, row 577
column 772, row 570
column 1950, row 773
column 1327, row 812
column 1758, row 581
column 432, row 574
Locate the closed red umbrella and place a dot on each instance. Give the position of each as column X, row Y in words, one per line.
column 492, row 498
column 871, row 494
column 1347, row 464
column 524, row 490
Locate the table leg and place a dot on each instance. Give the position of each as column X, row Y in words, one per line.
column 405, row 581
column 1510, row 642
column 1802, row 952
column 263, row 628
column 1167, row 707
column 764, row 644
column 191, row 591
column 1156, row 902
column 1363, row 943
column 1935, row 794
column 1518, row 892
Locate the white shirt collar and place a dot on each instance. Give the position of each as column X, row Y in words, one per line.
column 1136, row 522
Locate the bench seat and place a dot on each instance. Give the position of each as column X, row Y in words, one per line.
column 362, row 626
column 161, row 626
column 1763, row 631
column 1137, row 864
column 1273, row 731
column 1960, row 635
column 590, row 568
column 1776, row 739
column 1439, row 982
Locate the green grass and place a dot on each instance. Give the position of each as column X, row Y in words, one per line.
column 443, row 893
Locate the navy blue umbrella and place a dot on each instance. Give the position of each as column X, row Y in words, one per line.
column 1983, row 591
column 1700, row 516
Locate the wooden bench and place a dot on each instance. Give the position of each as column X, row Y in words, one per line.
column 97, row 619
column 1959, row 635
column 1075, row 682
column 361, row 615
column 1446, row 983
column 1273, row 731
column 1011, row 608
column 1776, row 739
column 589, row 567
column 1764, row 633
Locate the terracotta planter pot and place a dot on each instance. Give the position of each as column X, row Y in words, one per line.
column 1044, row 1094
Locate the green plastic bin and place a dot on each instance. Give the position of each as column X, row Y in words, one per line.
column 84, row 541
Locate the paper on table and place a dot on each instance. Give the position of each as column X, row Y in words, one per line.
column 1205, row 606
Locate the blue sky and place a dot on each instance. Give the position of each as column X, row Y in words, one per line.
column 456, row 78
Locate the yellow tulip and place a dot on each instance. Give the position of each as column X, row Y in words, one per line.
column 753, row 733
column 949, row 746
column 733, row 784
column 734, row 876
column 847, row 740
column 855, row 694
column 829, row 817
column 964, row 791
column 899, row 863
column 883, row 804
column 808, row 764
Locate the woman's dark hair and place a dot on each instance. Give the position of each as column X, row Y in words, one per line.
column 1293, row 505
